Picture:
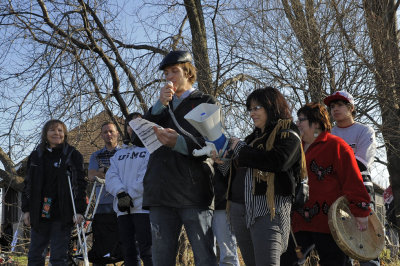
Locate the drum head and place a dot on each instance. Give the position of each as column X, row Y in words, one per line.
column 363, row 246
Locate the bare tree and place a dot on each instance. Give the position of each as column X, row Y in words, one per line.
column 199, row 44
column 74, row 67
column 71, row 60
column 380, row 17
column 75, row 62
column 303, row 21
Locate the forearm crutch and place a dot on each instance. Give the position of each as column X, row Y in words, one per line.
column 102, row 182
column 88, row 207
column 79, row 228
column 90, row 200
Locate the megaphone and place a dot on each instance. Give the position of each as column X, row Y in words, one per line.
column 206, row 118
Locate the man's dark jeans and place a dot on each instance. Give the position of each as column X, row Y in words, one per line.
column 166, row 225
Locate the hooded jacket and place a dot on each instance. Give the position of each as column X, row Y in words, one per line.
column 126, row 172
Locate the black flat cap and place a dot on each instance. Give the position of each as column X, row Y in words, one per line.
column 175, row 57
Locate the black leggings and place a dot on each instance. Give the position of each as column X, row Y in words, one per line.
column 133, row 227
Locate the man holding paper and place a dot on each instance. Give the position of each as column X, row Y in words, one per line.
column 178, row 186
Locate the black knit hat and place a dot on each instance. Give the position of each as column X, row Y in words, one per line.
column 175, row 57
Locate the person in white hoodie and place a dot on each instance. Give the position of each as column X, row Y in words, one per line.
column 124, row 180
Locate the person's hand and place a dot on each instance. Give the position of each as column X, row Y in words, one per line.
column 27, row 219
column 234, row 141
column 215, row 158
column 362, row 223
column 166, row 93
column 124, row 202
column 167, row 136
column 78, row 218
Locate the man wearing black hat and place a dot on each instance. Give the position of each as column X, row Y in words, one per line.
column 178, row 186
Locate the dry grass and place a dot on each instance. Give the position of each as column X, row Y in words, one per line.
column 385, row 257
column 185, row 256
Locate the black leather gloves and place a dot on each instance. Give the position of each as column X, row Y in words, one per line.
column 124, row 202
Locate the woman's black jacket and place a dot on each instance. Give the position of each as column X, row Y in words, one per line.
column 71, row 166
column 283, row 159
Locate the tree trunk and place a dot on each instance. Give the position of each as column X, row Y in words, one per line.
column 381, row 21
column 9, row 176
column 304, row 25
column 199, row 45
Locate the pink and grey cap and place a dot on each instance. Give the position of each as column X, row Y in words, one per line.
column 339, row 95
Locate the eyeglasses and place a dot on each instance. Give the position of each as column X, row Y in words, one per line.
column 301, row 119
column 255, row 108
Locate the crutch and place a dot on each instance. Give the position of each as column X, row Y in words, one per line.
column 79, row 228
column 102, row 182
column 88, row 207
column 90, row 199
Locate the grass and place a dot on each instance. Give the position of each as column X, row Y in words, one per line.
column 14, row 259
column 385, row 259
column 185, row 257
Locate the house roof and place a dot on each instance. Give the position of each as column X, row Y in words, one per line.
column 86, row 137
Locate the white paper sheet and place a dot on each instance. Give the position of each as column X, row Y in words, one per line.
column 144, row 129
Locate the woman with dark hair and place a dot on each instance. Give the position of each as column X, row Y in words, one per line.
column 332, row 172
column 263, row 172
column 46, row 199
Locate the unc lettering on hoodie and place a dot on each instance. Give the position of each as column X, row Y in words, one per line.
column 131, row 156
column 127, row 169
